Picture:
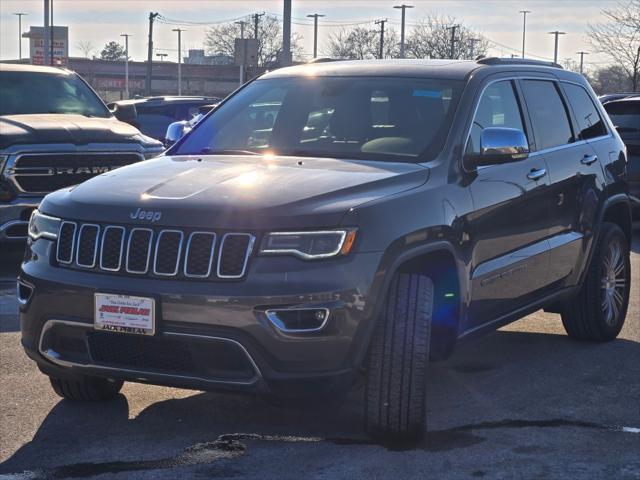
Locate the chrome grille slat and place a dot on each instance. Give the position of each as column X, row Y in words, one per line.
column 87, row 227
column 154, row 252
column 189, row 257
column 159, row 245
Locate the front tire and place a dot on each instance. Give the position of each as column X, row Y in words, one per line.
column 398, row 357
column 87, row 389
column 598, row 311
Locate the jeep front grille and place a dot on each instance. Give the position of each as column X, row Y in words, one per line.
column 155, row 252
column 47, row 172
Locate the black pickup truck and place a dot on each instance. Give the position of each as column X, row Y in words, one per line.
column 55, row 132
column 332, row 224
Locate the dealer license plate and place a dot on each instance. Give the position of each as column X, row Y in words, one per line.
column 124, row 314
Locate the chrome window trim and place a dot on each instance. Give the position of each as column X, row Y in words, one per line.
column 178, row 256
column 95, row 248
column 150, row 243
column 187, row 250
column 73, row 242
column 531, row 154
column 54, row 357
column 104, row 235
column 273, row 318
column 252, row 240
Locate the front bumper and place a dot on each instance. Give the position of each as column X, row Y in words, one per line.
column 203, row 320
column 14, row 218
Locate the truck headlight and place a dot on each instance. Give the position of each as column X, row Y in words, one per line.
column 309, row 245
column 41, row 225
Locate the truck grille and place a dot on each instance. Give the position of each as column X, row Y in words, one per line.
column 151, row 252
column 47, row 172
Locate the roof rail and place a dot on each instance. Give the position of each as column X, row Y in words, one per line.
column 516, row 61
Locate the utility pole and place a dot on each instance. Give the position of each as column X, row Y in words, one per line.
column 524, row 28
column 126, row 64
column 179, row 30
column 381, row 23
column 555, row 50
column 315, row 17
column 51, row 33
column 20, row 15
column 402, row 7
column 472, row 42
column 286, row 34
column 256, row 24
column 152, row 17
column 453, row 29
column 45, row 36
column 162, row 56
column 582, row 54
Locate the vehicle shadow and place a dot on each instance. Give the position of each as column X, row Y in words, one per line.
column 505, row 378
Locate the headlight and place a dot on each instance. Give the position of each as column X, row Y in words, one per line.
column 3, row 160
column 41, row 225
column 309, row 245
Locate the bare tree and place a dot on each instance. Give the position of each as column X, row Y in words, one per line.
column 431, row 38
column 360, row 43
column 609, row 79
column 220, row 40
column 619, row 37
column 86, row 47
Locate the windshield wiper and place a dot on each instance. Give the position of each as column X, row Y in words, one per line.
column 227, row 151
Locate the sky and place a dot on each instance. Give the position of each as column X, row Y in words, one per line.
column 101, row 21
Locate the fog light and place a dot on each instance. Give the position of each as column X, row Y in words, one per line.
column 299, row 320
column 24, row 292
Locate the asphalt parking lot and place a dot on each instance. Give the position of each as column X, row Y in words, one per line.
column 523, row 402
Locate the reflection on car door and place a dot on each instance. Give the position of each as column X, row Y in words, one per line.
column 509, row 225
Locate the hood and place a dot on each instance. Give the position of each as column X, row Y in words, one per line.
column 234, row 191
column 65, row 128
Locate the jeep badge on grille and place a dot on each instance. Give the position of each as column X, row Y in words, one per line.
column 150, row 215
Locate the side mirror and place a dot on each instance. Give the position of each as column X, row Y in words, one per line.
column 501, row 145
column 125, row 113
column 175, row 131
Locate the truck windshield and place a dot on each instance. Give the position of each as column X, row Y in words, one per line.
column 373, row 118
column 29, row 92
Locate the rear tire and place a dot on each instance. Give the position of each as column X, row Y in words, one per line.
column 598, row 311
column 87, row 389
column 398, row 358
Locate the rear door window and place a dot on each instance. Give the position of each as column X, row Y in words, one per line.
column 548, row 114
column 590, row 123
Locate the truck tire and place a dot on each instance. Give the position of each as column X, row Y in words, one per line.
column 87, row 389
column 398, row 358
column 598, row 311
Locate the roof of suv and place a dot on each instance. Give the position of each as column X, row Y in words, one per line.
column 21, row 67
column 452, row 69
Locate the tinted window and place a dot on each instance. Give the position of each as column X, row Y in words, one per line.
column 589, row 121
column 625, row 115
column 548, row 114
column 33, row 92
column 342, row 117
column 498, row 107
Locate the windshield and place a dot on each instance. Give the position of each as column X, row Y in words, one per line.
column 624, row 115
column 29, row 92
column 373, row 118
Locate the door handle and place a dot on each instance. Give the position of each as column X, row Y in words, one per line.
column 589, row 159
column 536, row 173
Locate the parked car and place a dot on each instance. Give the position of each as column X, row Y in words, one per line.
column 625, row 115
column 56, row 132
column 154, row 114
column 610, row 97
column 337, row 222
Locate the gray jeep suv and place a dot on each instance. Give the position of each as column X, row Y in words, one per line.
column 375, row 214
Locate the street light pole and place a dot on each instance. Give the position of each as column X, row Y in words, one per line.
column 179, row 30
column 582, row 54
column 524, row 28
column 555, row 50
column 315, row 17
column 402, row 7
column 242, row 23
column 20, row 15
column 162, row 56
column 126, row 64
